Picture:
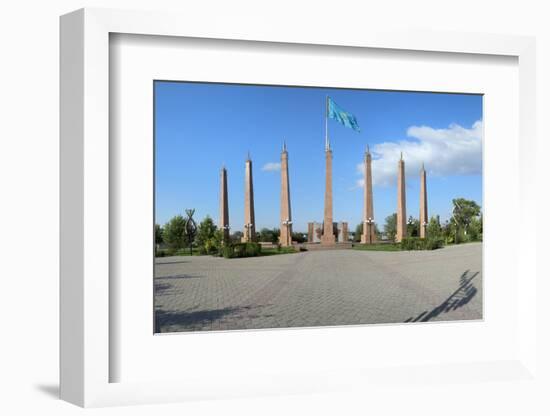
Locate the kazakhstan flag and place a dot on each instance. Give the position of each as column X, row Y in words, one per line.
column 337, row 113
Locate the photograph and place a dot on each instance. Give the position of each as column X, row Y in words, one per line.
column 282, row 206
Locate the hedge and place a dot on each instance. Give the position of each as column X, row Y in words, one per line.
column 416, row 243
column 237, row 250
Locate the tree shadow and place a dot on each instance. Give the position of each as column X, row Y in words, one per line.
column 460, row 297
column 161, row 287
column 179, row 276
column 187, row 320
column 157, row 263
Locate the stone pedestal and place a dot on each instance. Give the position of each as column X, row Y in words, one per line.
column 343, row 235
column 314, row 232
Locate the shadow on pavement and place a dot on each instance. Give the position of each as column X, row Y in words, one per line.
column 179, row 276
column 185, row 320
column 162, row 286
column 460, row 297
column 158, row 263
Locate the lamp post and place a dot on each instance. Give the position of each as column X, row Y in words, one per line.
column 424, row 226
column 368, row 222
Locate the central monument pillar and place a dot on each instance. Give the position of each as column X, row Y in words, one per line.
column 328, row 227
column 249, row 233
column 401, row 202
column 285, row 238
column 368, row 236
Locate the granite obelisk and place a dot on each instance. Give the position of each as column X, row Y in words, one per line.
column 224, row 205
column 368, row 236
column 285, row 238
column 249, row 233
column 328, row 228
column 401, row 201
column 423, row 204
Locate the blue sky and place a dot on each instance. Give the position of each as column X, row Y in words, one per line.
column 200, row 127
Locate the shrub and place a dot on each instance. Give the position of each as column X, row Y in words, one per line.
column 412, row 243
column 163, row 252
column 415, row 243
column 253, row 249
column 239, row 250
column 434, row 243
column 230, row 251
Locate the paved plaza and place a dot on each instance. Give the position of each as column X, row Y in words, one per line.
column 333, row 287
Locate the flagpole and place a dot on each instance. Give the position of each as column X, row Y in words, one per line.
column 326, row 125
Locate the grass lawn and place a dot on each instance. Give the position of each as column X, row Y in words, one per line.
column 378, row 247
column 274, row 251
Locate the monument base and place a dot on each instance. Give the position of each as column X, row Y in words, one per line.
column 328, row 240
column 365, row 239
column 319, row 246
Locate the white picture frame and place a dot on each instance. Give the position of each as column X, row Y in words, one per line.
column 86, row 355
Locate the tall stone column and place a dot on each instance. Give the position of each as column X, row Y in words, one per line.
column 249, row 233
column 368, row 236
column 401, row 201
column 285, row 238
column 423, row 204
column 224, row 205
column 328, row 227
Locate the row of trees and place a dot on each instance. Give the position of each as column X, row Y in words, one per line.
column 181, row 232
column 177, row 234
column 466, row 224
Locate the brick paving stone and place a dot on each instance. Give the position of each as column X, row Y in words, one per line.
column 317, row 288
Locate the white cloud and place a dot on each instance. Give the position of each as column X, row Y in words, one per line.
column 455, row 150
column 271, row 167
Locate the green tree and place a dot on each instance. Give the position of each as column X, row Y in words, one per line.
column 158, row 234
column 299, row 237
column 413, row 227
column 358, row 233
column 208, row 236
column 174, row 233
column 206, row 230
column 236, row 237
column 267, row 235
column 475, row 229
column 464, row 210
column 434, row 228
column 390, row 227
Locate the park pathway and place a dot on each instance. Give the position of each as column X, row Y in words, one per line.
column 318, row 288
